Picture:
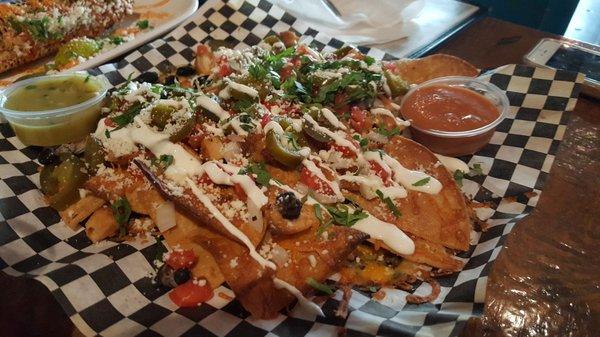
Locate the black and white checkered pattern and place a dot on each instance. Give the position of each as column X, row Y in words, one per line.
column 106, row 288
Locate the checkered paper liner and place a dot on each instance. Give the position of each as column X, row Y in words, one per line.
column 107, row 289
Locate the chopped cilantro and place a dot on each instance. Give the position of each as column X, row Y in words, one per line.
column 373, row 289
column 324, row 225
column 143, row 24
column 369, row 60
column 164, row 161
column 458, row 177
column 319, row 286
column 389, row 203
column 363, row 142
column 121, row 211
column 263, row 177
column 107, row 133
column 476, row 169
column 128, row 116
column 388, row 133
column 422, row 182
column 342, row 215
column 116, row 40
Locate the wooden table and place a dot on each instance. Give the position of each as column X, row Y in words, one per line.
column 566, row 211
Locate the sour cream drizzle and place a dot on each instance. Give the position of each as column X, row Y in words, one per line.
column 212, row 106
column 184, row 166
column 407, row 177
column 389, row 233
column 453, row 164
column 229, row 226
column 332, row 119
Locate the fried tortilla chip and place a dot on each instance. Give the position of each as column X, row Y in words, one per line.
column 442, row 218
column 416, row 71
column 307, row 257
column 182, row 235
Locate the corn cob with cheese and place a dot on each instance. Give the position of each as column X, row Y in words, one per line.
column 33, row 29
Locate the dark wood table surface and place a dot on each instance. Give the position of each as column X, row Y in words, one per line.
column 524, row 297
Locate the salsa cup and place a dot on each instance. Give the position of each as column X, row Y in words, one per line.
column 55, row 126
column 460, row 143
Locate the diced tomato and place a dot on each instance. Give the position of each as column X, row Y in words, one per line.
column 109, row 122
column 190, row 294
column 315, row 183
column 358, row 119
column 344, row 150
column 286, row 71
column 182, row 259
column 239, row 191
column 296, row 61
column 224, row 69
column 380, row 172
column 195, row 141
column 266, row 118
column 339, row 100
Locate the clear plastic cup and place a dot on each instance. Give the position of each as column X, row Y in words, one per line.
column 460, row 143
column 56, row 126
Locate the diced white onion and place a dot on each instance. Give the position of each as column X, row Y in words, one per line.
column 165, row 216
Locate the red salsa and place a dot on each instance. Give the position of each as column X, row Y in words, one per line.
column 448, row 108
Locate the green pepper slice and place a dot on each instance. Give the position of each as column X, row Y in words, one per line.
column 398, row 86
column 185, row 130
column 62, row 182
column 281, row 153
column 93, row 154
column 161, row 115
column 313, row 133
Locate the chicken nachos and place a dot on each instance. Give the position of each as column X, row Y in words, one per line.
column 271, row 169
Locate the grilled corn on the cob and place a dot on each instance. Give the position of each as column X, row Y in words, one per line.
column 35, row 28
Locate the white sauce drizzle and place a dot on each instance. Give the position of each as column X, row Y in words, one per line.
column 407, row 177
column 226, row 92
column 391, row 235
column 386, row 112
column 453, row 164
column 316, row 171
column 212, row 106
column 305, row 302
column 337, row 138
column 229, row 226
column 332, row 119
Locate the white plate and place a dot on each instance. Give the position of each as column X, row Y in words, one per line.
column 163, row 16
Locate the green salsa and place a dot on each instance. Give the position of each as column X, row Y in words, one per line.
column 52, row 93
column 40, row 111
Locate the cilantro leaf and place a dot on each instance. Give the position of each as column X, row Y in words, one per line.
column 263, row 177
column 319, row 286
column 164, row 161
column 388, row 133
column 363, row 142
column 143, row 24
column 389, row 203
column 477, row 170
column 458, row 177
column 342, row 215
column 422, row 182
column 128, row 116
column 121, row 211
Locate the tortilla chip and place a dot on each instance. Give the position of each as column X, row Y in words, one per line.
column 439, row 218
column 254, row 286
column 416, row 71
column 182, row 235
column 434, row 255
